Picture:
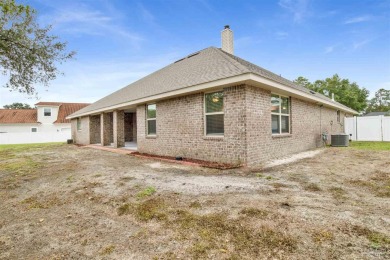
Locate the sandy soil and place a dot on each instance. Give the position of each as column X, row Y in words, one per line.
column 68, row 202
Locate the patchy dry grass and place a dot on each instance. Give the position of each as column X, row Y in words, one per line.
column 107, row 250
column 377, row 239
column 88, row 204
column 320, row 236
column 254, row 212
column 146, row 192
column 153, row 208
column 338, row 193
column 41, row 203
column 217, row 231
column 312, row 187
column 378, row 183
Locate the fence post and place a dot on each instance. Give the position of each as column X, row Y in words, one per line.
column 355, row 126
column 381, row 117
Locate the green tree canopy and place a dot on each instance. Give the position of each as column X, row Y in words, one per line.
column 17, row 105
column 28, row 54
column 381, row 101
column 345, row 92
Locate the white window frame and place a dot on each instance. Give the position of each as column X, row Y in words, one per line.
column 280, row 114
column 34, row 128
column 338, row 115
column 150, row 119
column 213, row 113
column 78, row 124
column 45, row 112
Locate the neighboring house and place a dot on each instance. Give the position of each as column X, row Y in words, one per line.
column 378, row 114
column 46, row 119
column 212, row 105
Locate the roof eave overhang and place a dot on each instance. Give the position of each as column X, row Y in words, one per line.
column 271, row 85
column 247, row 78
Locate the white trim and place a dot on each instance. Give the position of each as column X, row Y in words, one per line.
column 212, row 113
column 150, row 119
column 249, row 78
column 280, row 114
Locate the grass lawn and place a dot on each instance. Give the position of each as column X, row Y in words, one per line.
column 375, row 146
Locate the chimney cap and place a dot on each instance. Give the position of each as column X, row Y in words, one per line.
column 227, row 26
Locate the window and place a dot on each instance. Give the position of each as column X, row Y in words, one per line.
column 280, row 114
column 34, row 129
column 214, row 113
column 47, row 111
column 151, row 119
column 338, row 116
column 78, row 124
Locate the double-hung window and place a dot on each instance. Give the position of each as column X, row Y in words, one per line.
column 214, row 116
column 47, row 111
column 151, row 119
column 280, row 114
column 78, row 124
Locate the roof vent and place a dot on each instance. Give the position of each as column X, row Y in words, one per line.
column 313, row 92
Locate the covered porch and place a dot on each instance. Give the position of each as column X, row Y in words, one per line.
column 116, row 129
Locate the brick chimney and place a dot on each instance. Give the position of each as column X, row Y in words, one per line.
column 227, row 40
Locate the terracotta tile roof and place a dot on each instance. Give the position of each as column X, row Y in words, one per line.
column 65, row 110
column 14, row 116
column 17, row 116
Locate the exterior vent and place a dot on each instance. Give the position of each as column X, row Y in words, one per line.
column 340, row 140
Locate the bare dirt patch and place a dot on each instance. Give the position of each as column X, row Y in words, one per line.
column 61, row 202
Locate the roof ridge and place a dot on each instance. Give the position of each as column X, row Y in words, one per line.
column 231, row 60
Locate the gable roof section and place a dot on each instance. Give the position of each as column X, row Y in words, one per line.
column 66, row 109
column 16, row 116
column 208, row 65
column 54, row 104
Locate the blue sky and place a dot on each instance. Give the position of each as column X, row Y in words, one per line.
column 118, row 42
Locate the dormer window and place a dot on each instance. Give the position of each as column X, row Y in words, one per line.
column 47, row 111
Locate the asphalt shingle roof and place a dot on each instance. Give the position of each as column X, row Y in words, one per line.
column 207, row 65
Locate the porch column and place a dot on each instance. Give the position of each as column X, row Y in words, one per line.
column 119, row 128
column 104, row 129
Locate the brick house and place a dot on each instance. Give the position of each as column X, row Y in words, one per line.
column 212, row 105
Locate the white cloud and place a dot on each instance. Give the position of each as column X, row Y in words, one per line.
column 360, row 44
column 298, row 8
column 82, row 19
column 358, row 19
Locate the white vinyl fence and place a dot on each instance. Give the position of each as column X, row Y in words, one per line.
column 37, row 137
column 368, row 128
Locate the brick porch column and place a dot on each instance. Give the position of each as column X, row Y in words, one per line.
column 104, row 129
column 119, row 128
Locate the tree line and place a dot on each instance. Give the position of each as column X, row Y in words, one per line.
column 349, row 93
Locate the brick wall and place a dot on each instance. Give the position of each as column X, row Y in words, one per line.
column 180, row 129
column 308, row 121
column 80, row 136
column 248, row 138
